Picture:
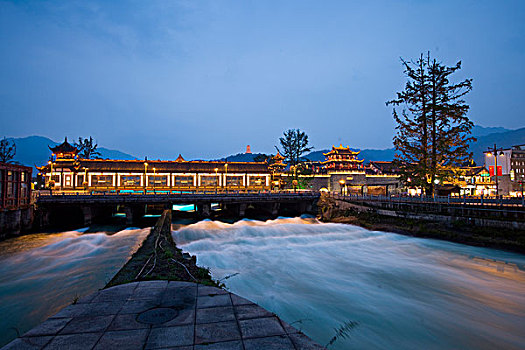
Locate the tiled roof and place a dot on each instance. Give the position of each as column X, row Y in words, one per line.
column 64, row 147
column 385, row 167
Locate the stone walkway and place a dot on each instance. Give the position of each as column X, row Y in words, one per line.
column 162, row 315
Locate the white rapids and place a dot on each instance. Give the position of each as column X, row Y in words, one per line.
column 384, row 290
column 42, row 273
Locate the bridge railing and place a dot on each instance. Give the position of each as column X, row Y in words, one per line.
column 160, row 193
column 458, row 200
column 70, row 196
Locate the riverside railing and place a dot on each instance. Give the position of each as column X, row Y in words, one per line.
column 458, row 200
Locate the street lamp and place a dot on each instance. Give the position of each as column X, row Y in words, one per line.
column 85, row 182
column 51, row 175
column 494, row 153
column 216, row 178
column 154, row 178
column 342, row 185
column 145, row 176
column 226, row 176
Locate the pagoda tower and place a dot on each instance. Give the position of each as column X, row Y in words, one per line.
column 277, row 165
column 342, row 159
column 64, row 151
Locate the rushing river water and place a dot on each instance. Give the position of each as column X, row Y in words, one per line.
column 42, row 273
column 390, row 291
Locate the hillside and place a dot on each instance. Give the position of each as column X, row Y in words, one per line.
column 242, row 157
column 501, row 139
column 485, row 139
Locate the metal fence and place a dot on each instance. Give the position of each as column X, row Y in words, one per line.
column 459, row 200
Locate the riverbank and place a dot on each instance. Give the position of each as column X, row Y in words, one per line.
column 159, row 259
column 458, row 232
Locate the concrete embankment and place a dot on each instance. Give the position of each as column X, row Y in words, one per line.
column 509, row 235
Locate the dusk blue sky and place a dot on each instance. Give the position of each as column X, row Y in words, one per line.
column 206, row 78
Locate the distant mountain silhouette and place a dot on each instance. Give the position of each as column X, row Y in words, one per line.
column 505, row 139
column 478, row 130
column 32, row 150
column 242, row 157
column 486, row 137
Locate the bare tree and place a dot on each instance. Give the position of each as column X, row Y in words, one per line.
column 7, row 150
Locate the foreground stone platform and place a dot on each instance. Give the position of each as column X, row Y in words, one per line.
column 163, row 315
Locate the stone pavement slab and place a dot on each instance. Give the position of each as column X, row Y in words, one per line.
column 164, row 315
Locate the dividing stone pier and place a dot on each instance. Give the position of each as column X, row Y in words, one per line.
column 161, row 315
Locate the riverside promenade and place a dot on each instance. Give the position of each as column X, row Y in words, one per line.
column 164, row 315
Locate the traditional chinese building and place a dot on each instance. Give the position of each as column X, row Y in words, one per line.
column 383, row 168
column 342, row 159
column 68, row 172
column 343, row 172
column 277, row 164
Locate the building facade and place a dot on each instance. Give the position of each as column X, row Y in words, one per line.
column 510, row 169
column 15, row 199
column 15, row 186
column 342, row 159
column 67, row 172
column 342, row 171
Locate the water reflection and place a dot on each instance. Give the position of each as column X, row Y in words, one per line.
column 398, row 292
column 41, row 273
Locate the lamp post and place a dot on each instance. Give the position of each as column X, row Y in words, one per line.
column 342, row 185
column 494, row 153
column 145, row 176
column 216, row 178
column 226, row 176
column 86, row 182
column 154, row 178
column 51, row 176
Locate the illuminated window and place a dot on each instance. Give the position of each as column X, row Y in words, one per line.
column 157, row 180
column 209, row 181
column 234, row 180
column 257, row 181
column 130, row 180
column 183, row 181
column 101, row 180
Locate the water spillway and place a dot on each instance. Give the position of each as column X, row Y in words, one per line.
column 379, row 290
column 42, row 273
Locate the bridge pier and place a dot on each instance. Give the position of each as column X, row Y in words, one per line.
column 204, row 209
column 275, row 208
column 129, row 215
column 87, row 209
column 87, row 215
column 242, row 209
